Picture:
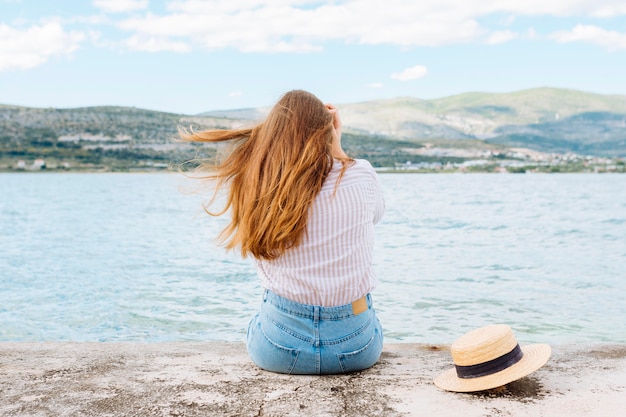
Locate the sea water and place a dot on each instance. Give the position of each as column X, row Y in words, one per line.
column 133, row 257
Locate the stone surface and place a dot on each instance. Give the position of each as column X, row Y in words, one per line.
column 206, row 379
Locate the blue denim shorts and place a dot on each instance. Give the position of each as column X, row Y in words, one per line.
column 292, row 338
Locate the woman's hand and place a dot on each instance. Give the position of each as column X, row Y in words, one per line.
column 336, row 149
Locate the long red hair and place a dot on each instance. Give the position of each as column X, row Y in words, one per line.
column 273, row 173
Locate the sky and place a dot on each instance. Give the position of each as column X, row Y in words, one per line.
column 192, row 56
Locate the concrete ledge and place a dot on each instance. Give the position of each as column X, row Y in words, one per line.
column 206, row 379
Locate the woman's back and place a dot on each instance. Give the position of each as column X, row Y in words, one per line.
column 333, row 264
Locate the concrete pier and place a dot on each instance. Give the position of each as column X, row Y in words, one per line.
column 218, row 379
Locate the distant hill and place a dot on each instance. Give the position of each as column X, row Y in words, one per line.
column 119, row 138
column 544, row 119
column 243, row 114
column 385, row 131
column 112, row 137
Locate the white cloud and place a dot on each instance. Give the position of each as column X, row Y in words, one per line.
column 286, row 26
column 240, row 31
column 501, row 37
column 24, row 49
column 598, row 8
column 118, row 6
column 307, row 25
column 610, row 40
column 229, row 6
column 395, row 8
column 413, row 73
column 509, row 20
column 92, row 20
column 155, row 44
column 235, row 94
column 375, row 85
column 610, row 10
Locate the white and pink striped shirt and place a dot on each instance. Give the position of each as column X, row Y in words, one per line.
column 333, row 264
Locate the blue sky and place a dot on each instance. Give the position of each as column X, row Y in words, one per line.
column 190, row 56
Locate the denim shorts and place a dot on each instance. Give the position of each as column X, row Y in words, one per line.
column 292, row 338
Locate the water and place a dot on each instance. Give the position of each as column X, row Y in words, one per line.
column 131, row 257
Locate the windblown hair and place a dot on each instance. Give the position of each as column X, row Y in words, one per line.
column 273, row 173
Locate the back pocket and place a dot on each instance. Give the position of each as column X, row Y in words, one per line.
column 267, row 354
column 364, row 357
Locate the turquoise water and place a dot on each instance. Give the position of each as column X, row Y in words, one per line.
column 131, row 257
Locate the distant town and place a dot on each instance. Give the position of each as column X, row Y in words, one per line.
column 441, row 160
column 514, row 160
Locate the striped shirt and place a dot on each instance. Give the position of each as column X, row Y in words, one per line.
column 333, row 264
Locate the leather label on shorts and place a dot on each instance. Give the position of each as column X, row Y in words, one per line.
column 359, row 306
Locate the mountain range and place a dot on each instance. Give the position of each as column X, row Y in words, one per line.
column 542, row 119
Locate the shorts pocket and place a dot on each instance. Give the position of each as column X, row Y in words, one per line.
column 364, row 357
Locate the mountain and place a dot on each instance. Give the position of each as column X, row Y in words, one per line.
column 107, row 136
column 385, row 131
column 544, row 119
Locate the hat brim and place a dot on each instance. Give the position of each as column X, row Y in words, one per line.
column 535, row 356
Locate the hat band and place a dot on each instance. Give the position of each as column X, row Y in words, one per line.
column 490, row 367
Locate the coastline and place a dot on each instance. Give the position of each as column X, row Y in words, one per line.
column 217, row 378
column 379, row 170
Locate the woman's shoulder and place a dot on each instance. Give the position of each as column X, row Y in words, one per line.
column 363, row 164
column 361, row 167
column 358, row 171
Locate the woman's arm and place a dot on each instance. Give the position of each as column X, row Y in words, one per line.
column 337, row 150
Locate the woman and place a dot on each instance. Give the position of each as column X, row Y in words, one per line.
column 306, row 212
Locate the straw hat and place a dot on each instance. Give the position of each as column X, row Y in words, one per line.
column 490, row 357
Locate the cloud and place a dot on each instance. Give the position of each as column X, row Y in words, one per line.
column 307, row 25
column 119, row 6
column 25, row 49
column 303, row 26
column 235, row 94
column 558, row 8
column 155, row 44
column 610, row 40
column 412, row 73
column 611, row 9
column 375, row 85
column 501, row 37
column 230, row 6
column 508, row 21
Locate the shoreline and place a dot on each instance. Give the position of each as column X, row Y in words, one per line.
column 217, row 378
column 379, row 170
